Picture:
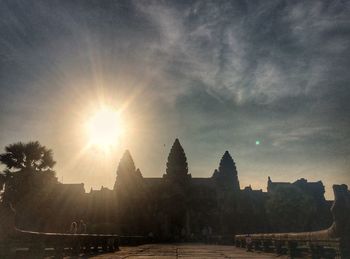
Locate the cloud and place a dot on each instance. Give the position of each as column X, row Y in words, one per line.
column 261, row 52
column 217, row 74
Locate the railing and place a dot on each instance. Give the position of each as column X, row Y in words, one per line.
column 333, row 242
column 38, row 242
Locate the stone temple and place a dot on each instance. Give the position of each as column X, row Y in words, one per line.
column 176, row 206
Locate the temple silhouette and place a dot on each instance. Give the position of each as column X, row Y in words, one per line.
column 177, row 206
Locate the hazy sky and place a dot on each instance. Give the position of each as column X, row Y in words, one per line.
column 219, row 75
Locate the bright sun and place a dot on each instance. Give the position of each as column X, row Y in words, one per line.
column 105, row 128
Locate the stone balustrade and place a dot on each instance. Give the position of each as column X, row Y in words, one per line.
column 333, row 242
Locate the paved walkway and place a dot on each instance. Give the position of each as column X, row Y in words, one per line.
column 186, row 251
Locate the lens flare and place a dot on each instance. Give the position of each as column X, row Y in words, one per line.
column 105, row 128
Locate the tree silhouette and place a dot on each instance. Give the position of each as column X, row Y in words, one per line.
column 177, row 166
column 2, row 180
column 28, row 165
column 29, row 157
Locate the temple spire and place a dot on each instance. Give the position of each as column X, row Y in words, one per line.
column 227, row 172
column 177, row 167
column 126, row 172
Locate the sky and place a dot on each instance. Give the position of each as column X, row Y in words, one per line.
column 218, row 75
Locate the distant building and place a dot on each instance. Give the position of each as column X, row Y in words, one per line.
column 315, row 189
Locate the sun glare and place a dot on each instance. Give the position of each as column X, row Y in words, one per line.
column 105, row 128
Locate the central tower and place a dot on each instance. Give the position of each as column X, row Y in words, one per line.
column 177, row 167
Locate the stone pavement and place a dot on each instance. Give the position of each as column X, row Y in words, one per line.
column 186, row 251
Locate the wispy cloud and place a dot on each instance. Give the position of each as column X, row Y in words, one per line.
column 215, row 73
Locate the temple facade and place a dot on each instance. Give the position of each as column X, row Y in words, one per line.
column 176, row 206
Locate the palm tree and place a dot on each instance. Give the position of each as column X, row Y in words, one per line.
column 27, row 165
column 30, row 157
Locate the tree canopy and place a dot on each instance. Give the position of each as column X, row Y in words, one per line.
column 29, row 166
column 30, row 156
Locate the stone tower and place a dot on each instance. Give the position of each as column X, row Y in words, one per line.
column 227, row 172
column 127, row 174
column 177, row 167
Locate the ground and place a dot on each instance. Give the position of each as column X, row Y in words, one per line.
column 171, row 251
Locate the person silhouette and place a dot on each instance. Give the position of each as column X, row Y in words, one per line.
column 248, row 241
column 73, row 228
column 82, row 227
